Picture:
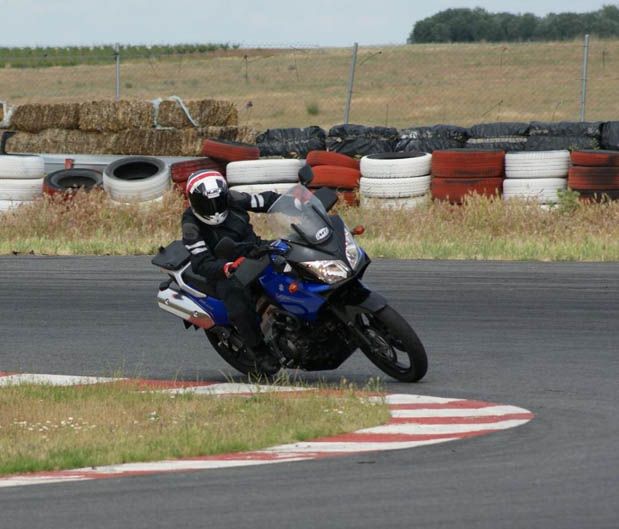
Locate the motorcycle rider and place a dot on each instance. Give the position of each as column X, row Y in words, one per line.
column 216, row 212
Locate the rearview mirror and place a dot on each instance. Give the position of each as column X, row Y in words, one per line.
column 306, row 175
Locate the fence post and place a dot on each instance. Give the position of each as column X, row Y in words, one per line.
column 351, row 82
column 585, row 67
column 117, row 59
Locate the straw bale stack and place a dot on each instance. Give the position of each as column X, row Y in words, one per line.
column 35, row 117
column 205, row 112
column 1, row 112
column 60, row 141
column 115, row 116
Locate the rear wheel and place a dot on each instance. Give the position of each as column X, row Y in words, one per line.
column 395, row 347
column 234, row 352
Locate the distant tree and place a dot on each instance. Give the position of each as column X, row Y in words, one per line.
column 475, row 25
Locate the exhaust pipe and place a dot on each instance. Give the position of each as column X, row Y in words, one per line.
column 183, row 307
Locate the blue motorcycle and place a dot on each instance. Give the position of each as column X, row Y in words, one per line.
column 314, row 310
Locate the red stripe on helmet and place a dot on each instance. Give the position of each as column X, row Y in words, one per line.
column 200, row 176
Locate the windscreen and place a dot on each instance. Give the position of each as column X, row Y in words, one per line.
column 299, row 216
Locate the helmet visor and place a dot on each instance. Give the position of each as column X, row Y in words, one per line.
column 209, row 206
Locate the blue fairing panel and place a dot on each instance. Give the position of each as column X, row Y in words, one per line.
column 305, row 303
column 214, row 307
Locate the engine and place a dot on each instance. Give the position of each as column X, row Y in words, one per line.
column 313, row 346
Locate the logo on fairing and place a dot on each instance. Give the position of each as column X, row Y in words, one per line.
column 322, row 233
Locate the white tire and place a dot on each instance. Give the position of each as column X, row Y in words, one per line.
column 136, row 179
column 13, row 189
column 538, row 164
column 263, row 171
column 395, row 187
column 7, row 205
column 254, row 189
column 400, row 167
column 544, row 190
column 395, row 203
column 21, row 167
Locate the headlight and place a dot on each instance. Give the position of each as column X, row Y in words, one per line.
column 328, row 271
column 352, row 250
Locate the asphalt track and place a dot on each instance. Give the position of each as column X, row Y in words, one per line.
column 541, row 336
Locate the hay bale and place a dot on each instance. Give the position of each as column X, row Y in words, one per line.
column 115, row 116
column 35, row 117
column 60, row 141
column 154, row 142
column 205, row 112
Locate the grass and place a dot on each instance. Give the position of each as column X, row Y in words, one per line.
column 54, row 428
column 482, row 228
column 399, row 86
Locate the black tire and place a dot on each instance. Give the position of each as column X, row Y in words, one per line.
column 69, row 180
column 237, row 356
column 392, row 333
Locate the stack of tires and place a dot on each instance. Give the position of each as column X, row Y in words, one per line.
column 537, row 175
column 595, row 174
column 136, row 179
column 21, row 179
column 257, row 176
column 338, row 172
column 399, row 179
column 459, row 172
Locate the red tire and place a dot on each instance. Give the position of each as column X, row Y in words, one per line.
column 316, row 158
column 455, row 189
column 230, row 151
column 596, row 158
column 593, row 178
column 465, row 163
column 336, row 176
column 181, row 171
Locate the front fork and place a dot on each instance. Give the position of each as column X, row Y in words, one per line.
column 355, row 303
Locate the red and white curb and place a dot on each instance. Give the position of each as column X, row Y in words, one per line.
column 416, row 420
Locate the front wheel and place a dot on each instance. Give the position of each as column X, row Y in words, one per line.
column 393, row 347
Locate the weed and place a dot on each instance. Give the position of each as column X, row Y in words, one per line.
column 312, row 108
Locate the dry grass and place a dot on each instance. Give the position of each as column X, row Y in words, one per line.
column 481, row 229
column 52, row 428
column 394, row 85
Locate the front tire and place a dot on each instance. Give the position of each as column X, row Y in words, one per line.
column 395, row 347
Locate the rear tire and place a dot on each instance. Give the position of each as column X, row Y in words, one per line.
column 394, row 339
column 237, row 356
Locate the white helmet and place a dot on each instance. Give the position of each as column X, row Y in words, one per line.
column 208, row 195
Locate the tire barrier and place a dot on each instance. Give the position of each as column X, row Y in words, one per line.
column 336, row 177
column 395, row 187
column 136, row 179
column 263, row 171
column 541, row 164
column 316, row 158
column 359, row 140
column 396, row 165
column 536, row 175
column 21, row 179
column 542, row 190
column 498, row 136
column 230, row 151
column 595, row 174
column 453, row 190
column 67, row 181
column 430, row 139
column 252, row 189
column 467, row 163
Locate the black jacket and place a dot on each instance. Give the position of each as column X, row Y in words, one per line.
column 200, row 238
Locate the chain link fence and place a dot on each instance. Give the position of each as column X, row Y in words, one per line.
column 398, row 86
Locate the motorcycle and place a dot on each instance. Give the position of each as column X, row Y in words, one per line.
column 314, row 310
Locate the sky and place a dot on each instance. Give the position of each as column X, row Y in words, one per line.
column 258, row 23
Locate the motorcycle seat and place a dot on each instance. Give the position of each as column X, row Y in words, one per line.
column 198, row 282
